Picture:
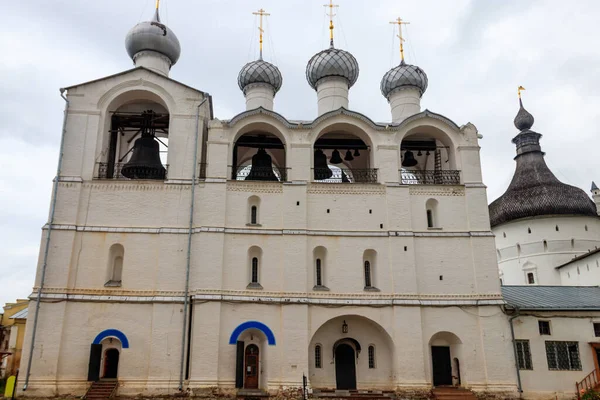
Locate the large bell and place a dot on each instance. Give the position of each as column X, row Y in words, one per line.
column 262, row 167
column 409, row 159
column 321, row 170
column 145, row 161
column 349, row 156
column 335, row 157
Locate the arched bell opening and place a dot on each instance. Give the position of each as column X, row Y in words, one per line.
column 342, row 157
column 428, row 157
column 259, row 156
column 138, row 137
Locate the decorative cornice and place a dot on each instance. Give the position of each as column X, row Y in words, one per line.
column 436, row 190
column 256, row 187
column 137, row 186
column 332, row 188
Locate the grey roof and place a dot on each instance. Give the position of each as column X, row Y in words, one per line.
column 403, row 75
column 260, row 71
column 549, row 298
column 21, row 314
column 153, row 36
column 332, row 62
column 594, row 187
column 580, row 257
column 534, row 190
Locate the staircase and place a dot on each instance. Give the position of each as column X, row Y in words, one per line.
column 354, row 394
column 591, row 381
column 453, row 393
column 102, row 390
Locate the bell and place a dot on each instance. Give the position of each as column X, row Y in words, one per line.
column 419, row 153
column 348, row 156
column 409, row 159
column 321, row 170
column 356, row 153
column 262, row 167
column 335, row 157
column 144, row 162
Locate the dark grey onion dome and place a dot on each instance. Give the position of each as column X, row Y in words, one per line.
column 534, row 190
column 260, row 71
column 153, row 36
column 402, row 76
column 332, row 62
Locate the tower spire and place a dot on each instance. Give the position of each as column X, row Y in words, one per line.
column 400, row 22
column 156, row 16
column 330, row 14
column 261, row 13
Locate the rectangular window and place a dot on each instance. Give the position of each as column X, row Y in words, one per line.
column 530, row 278
column 524, row 354
column 544, row 327
column 563, row 356
column 371, row 357
column 318, row 356
column 429, row 219
column 367, row 274
column 596, row 329
column 319, row 276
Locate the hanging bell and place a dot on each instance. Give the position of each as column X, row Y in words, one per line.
column 262, row 167
column 335, row 157
column 419, row 153
column 321, row 170
column 356, row 153
column 348, row 156
column 144, row 162
column 409, row 159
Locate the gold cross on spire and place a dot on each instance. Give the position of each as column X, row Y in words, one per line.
column 157, row 4
column 331, row 15
column 400, row 22
column 519, row 90
column 262, row 14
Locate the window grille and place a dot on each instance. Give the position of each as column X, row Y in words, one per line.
column 530, row 278
column 254, row 270
column 596, row 329
column 544, row 327
column 253, row 215
column 371, row 357
column 319, row 273
column 563, row 356
column 524, row 354
column 367, row 274
column 318, row 356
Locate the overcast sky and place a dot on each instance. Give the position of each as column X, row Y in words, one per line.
column 475, row 53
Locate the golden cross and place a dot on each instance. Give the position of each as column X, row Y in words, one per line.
column 400, row 22
column 331, row 15
column 261, row 13
column 521, row 88
column 157, row 4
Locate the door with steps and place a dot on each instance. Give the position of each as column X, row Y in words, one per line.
column 102, row 390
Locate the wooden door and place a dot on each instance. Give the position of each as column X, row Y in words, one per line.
column 442, row 365
column 345, row 367
column 251, row 367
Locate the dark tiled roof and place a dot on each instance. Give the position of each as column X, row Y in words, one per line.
column 540, row 298
column 581, row 257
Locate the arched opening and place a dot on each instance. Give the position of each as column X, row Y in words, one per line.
column 428, row 157
column 251, row 367
column 116, row 254
column 318, row 356
column 371, row 356
column 254, row 258
column 111, row 364
column 320, row 261
column 259, row 155
column 342, row 154
column 105, row 352
column 253, row 210
column 138, row 139
column 446, row 353
column 345, row 367
column 431, row 210
column 252, row 340
column 369, row 269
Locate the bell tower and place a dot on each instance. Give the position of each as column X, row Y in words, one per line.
column 596, row 196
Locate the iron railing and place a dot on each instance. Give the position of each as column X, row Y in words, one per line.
column 345, row 175
column 114, row 171
column 430, row 177
column 254, row 173
column 591, row 381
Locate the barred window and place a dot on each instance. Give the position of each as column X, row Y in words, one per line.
column 524, row 354
column 371, row 357
column 255, row 270
column 563, row 356
column 318, row 356
column 253, row 213
column 597, row 329
column 530, row 278
column 544, row 327
column 367, row 274
column 319, row 272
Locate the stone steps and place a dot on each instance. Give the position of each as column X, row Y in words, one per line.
column 101, row 390
column 453, row 393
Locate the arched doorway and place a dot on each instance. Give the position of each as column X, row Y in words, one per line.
column 111, row 364
column 446, row 353
column 251, row 367
column 345, row 367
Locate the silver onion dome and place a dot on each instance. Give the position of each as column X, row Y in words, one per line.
column 404, row 75
column 153, row 36
column 332, row 62
column 260, row 71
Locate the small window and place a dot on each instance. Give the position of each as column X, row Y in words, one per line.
column 528, row 230
column 545, row 245
column 318, row 363
column 544, row 327
column 253, row 215
column 530, row 278
column 556, row 228
column 255, row 270
column 524, row 354
column 563, row 356
column 319, row 272
column 371, row 357
column 504, row 234
column 586, row 228
column 429, row 219
column 368, row 274
column 596, row 329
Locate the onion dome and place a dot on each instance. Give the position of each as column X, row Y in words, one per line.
column 534, row 190
column 153, row 36
column 332, row 62
column 404, row 76
column 260, row 71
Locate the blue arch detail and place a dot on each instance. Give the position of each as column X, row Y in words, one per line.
column 252, row 324
column 115, row 333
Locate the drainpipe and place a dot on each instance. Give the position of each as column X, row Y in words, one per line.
column 512, row 333
column 189, row 246
column 47, row 245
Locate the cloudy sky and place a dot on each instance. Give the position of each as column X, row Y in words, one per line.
column 475, row 52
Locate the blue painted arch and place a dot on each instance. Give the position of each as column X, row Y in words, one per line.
column 112, row 333
column 252, row 325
